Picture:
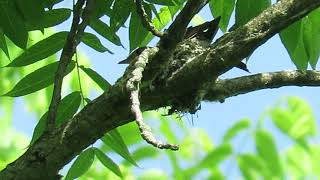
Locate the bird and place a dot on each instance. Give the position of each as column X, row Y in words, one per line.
column 202, row 34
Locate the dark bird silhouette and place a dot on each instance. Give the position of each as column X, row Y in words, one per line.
column 204, row 33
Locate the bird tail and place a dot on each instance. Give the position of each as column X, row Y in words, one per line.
column 205, row 31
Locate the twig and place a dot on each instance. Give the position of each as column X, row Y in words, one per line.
column 144, row 19
column 226, row 88
column 133, row 87
column 68, row 51
column 79, row 79
column 174, row 35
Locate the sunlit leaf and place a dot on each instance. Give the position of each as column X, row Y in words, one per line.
column 114, row 140
column 81, row 164
column 97, row 78
column 224, row 9
column 37, row 80
column 156, row 174
column 252, row 166
column 3, row 44
column 299, row 162
column 235, row 129
column 248, row 9
column 297, row 120
column 41, row 50
column 267, row 150
column 311, row 36
column 145, row 153
column 165, row 15
column 292, row 39
column 107, row 162
column 211, row 160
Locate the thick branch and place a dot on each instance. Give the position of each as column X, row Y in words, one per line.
column 226, row 88
column 56, row 148
column 233, row 47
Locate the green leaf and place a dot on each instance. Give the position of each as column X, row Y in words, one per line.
column 94, row 42
column 216, row 156
column 145, row 152
column 266, row 149
column 297, row 120
column 165, row 16
column 166, row 129
column 162, row 2
column 299, row 162
column 50, row 3
column 50, row 18
column 13, row 24
column 292, row 39
column 211, row 160
column 67, row 108
column 105, row 31
column 311, row 36
column 39, row 129
column 107, row 162
column 81, row 164
column 224, row 9
column 235, row 129
column 97, row 78
column 37, row 80
column 114, row 140
column 252, row 167
column 137, row 32
column 120, row 12
column 3, row 44
column 100, row 8
column 32, row 10
column 41, row 50
column 248, row 9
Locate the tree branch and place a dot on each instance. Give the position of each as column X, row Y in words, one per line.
column 144, row 19
column 56, row 148
column 226, row 88
column 174, row 35
column 233, row 47
column 68, row 51
column 132, row 86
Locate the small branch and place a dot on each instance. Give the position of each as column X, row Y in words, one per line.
column 175, row 34
column 133, row 87
column 223, row 89
column 144, row 19
column 68, row 51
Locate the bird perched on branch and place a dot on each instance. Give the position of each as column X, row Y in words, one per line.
column 201, row 35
